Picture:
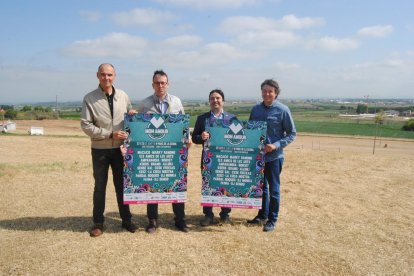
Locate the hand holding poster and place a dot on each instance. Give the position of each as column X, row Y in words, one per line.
column 233, row 164
column 156, row 158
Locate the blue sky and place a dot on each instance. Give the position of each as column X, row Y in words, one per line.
column 314, row 49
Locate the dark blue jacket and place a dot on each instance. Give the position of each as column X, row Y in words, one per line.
column 200, row 127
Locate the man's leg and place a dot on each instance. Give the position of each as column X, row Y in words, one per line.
column 100, row 164
column 274, row 168
column 117, row 165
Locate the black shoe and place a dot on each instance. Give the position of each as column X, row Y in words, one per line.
column 256, row 220
column 226, row 220
column 206, row 221
column 269, row 226
column 129, row 226
column 152, row 226
column 182, row 226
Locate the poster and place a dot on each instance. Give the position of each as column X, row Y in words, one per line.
column 156, row 156
column 233, row 164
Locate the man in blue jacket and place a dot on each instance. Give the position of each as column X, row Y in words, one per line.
column 281, row 132
column 216, row 99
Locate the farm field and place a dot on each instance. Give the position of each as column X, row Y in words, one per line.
column 344, row 211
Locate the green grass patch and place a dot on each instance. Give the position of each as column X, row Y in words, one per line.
column 351, row 128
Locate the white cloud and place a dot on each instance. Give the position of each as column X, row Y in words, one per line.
column 292, row 22
column 287, row 66
column 119, row 45
column 218, row 4
column 143, row 18
column 240, row 24
column 393, row 63
column 183, row 41
column 376, row 31
column 210, row 54
column 268, row 39
column 92, row 16
column 333, row 44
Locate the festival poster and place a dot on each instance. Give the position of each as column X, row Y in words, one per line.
column 155, row 169
column 233, row 164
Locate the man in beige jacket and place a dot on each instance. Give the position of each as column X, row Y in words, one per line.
column 102, row 120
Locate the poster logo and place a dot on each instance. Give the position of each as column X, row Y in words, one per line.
column 156, row 129
column 235, row 134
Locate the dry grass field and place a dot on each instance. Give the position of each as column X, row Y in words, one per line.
column 344, row 211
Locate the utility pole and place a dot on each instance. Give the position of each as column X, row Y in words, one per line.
column 56, row 108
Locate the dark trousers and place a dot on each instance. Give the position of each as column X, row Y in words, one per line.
column 178, row 209
column 101, row 160
column 208, row 211
column 271, row 190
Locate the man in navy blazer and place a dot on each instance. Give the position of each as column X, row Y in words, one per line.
column 199, row 136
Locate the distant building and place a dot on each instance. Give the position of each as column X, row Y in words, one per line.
column 391, row 113
column 8, row 126
column 36, row 131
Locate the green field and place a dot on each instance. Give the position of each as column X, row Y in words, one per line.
column 309, row 118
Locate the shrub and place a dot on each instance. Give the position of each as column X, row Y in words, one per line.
column 409, row 125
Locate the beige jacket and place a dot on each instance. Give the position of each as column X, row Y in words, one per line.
column 96, row 120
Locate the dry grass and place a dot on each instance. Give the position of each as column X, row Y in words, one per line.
column 344, row 212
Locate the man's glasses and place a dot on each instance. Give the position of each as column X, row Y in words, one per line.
column 162, row 83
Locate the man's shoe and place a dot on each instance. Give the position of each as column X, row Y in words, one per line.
column 206, row 221
column 269, row 226
column 129, row 226
column 182, row 226
column 96, row 231
column 152, row 226
column 256, row 220
column 226, row 220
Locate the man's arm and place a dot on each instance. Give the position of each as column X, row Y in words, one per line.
column 88, row 126
column 198, row 129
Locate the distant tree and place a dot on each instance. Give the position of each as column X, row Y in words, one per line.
column 379, row 118
column 48, row 109
column 39, row 108
column 10, row 114
column 6, row 107
column 361, row 108
column 409, row 125
column 27, row 108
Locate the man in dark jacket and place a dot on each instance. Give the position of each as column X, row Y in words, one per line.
column 216, row 99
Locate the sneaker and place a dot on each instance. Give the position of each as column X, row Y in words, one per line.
column 152, row 226
column 129, row 226
column 182, row 226
column 96, row 230
column 269, row 226
column 226, row 220
column 206, row 221
column 256, row 220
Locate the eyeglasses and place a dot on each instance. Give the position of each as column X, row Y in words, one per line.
column 162, row 83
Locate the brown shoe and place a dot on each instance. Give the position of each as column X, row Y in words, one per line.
column 152, row 226
column 96, row 231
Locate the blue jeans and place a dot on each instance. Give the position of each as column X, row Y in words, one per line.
column 271, row 190
column 101, row 160
column 208, row 211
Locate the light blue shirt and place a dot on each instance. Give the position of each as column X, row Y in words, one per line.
column 281, row 129
column 163, row 106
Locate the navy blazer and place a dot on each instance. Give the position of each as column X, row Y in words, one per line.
column 200, row 127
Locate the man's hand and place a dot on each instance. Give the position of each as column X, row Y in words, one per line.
column 270, row 148
column 132, row 112
column 205, row 135
column 119, row 135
